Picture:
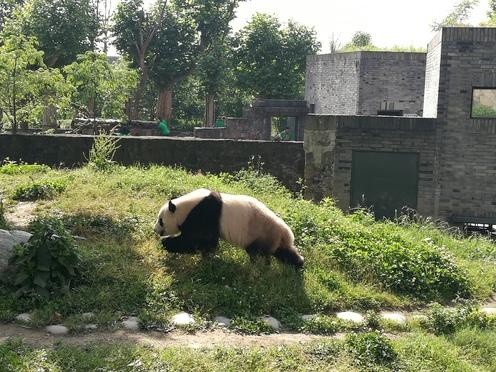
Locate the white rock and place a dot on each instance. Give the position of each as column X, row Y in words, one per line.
column 394, row 317
column 131, row 323
column 8, row 239
column 308, row 318
column 489, row 310
column 20, row 236
column 222, row 321
column 351, row 316
column 271, row 322
column 90, row 326
column 57, row 330
column 25, row 317
column 182, row 319
column 87, row 315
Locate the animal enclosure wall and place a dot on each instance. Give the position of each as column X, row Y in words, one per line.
column 285, row 161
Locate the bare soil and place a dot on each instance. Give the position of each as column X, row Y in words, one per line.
column 19, row 216
column 199, row 340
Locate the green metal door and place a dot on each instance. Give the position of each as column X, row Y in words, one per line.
column 384, row 181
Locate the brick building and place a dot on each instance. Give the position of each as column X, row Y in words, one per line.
column 442, row 164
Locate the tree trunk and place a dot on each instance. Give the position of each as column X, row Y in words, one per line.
column 138, row 97
column 164, row 105
column 50, row 117
column 210, row 110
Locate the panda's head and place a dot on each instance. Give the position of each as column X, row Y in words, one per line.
column 173, row 213
column 167, row 223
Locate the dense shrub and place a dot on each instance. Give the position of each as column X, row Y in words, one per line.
column 48, row 263
column 447, row 320
column 369, row 349
column 39, row 190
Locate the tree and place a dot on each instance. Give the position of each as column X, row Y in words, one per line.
column 26, row 85
column 491, row 14
column 6, row 9
column 135, row 28
column 100, row 89
column 458, row 15
column 64, row 28
column 172, row 57
column 361, row 39
column 272, row 59
column 213, row 18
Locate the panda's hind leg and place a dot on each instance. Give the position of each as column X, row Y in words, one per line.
column 258, row 249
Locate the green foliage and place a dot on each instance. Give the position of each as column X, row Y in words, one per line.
column 37, row 190
column 483, row 111
column 447, row 320
column 13, row 168
column 101, row 156
column 250, row 326
column 272, row 59
column 370, row 349
column 63, row 28
column 458, row 16
column 48, row 263
column 361, row 39
column 101, row 89
column 174, row 49
column 322, row 325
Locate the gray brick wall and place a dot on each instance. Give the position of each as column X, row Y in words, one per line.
column 467, row 147
column 358, row 83
column 330, row 141
column 397, row 79
column 331, row 83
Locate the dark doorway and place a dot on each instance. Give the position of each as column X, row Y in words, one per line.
column 384, row 181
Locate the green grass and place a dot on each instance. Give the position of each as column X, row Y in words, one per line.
column 351, row 261
column 467, row 350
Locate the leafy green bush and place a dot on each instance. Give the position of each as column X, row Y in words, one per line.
column 39, row 190
column 370, row 348
column 48, row 263
column 101, row 157
column 447, row 320
column 12, row 168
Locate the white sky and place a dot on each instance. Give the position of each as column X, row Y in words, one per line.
column 390, row 22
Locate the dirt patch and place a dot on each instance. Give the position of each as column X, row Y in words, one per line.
column 19, row 216
column 200, row 340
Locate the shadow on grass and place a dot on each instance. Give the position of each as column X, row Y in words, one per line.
column 228, row 284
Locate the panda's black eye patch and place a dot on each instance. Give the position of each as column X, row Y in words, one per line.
column 161, row 222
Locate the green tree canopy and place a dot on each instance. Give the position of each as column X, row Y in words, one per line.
column 64, row 28
column 458, row 16
column 100, row 89
column 26, row 85
column 6, row 9
column 272, row 58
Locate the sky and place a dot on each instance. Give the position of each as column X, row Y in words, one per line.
column 390, row 22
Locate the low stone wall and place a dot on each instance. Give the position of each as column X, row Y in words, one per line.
column 285, row 161
column 331, row 140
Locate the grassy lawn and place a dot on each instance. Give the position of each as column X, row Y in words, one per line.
column 351, row 262
column 466, row 350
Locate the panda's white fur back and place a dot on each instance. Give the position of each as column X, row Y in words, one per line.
column 245, row 219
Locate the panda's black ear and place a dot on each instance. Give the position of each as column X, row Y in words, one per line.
column 172, row 207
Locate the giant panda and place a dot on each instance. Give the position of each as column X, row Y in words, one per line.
column 194, row 223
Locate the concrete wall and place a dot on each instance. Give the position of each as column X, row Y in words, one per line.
column 467, row 150
column 361, row 82
column 331, row 140
column 283, row 160
column 396, row 79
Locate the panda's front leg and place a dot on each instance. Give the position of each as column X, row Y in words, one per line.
column 179, row 244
